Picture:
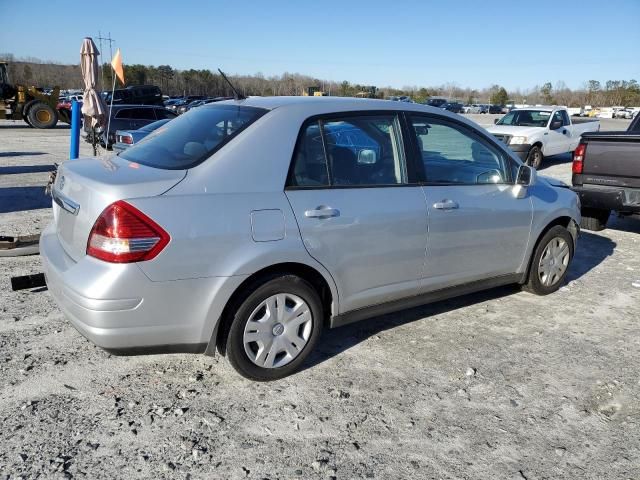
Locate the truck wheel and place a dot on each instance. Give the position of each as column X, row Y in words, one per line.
column 550, row 261
column 534, row 158
column 42, row 115
column 594, row 219
column 26, row 120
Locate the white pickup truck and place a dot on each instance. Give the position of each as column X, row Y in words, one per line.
column 537, row 132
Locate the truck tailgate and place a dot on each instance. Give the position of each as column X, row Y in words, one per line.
column 612, row 159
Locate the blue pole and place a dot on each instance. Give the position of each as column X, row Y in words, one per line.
column 74, row 150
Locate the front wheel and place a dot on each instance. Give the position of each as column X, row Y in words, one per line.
column 534, row 158
column 42, row 115
column 550, row 261
column 275, row 328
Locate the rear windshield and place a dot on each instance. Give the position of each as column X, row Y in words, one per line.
column 188, row 140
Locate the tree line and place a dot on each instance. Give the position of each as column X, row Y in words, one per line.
column 31, row 71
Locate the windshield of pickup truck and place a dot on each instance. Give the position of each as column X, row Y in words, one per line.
column 525, row 118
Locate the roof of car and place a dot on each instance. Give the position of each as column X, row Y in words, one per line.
column 339, row 103
column 543, row 108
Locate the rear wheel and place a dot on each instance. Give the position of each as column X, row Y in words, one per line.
column 594, row 219
column 42, row 115
column 550, row 261
column 534, row 158
column 275, row 328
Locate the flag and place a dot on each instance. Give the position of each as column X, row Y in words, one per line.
column 116, row 64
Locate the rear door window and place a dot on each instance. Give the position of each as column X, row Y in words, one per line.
column 190, row 139
column 352, row 151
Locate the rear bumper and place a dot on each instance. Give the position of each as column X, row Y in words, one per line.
column 119, row 309
column 609, row 198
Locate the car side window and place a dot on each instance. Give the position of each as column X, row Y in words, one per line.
column 162, row 113
column 452, row 154
column 565, row 118
column 143, row 114
column 309, row 161
column 124, row 113
column 352, row 151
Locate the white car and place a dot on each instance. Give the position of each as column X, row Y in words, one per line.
column 537, row 132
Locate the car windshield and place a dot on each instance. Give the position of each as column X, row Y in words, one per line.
column 193, row 137
column 153, row 126
column 526, row 118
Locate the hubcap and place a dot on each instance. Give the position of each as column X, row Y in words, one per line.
column 277, row 330
column 553, row 262
column 43, row 116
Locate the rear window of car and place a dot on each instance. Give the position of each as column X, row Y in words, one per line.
column 190, row 139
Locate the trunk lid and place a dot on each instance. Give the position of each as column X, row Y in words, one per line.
column 85, row 187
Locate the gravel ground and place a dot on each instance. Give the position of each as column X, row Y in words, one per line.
column 501, row 384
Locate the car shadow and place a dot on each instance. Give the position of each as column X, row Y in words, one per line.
column 629, row 224
column 20, row 154
column 18, row 199
column 556, row 160
column 338, row 340
column 592, row 250
column 17, row 169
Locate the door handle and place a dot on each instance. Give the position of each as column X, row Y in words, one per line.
column 446, row 205
column 322, row 212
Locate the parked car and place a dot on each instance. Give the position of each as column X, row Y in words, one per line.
column 249, row 226
column 436, row 102
column 135, row 95
column 454, row 107
column 538, row 132
column 495, row 109
column 126, row 138
column 130, row 117
column 606, row 175
column 472, row 108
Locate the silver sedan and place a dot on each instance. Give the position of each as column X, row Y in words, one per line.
column 249, row 226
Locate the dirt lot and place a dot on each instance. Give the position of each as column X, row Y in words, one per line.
column 501, row 384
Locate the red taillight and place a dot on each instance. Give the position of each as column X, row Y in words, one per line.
column 128, row 139
column 578, row 158
column 123, row 234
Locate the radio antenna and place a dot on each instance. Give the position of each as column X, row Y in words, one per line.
column 236, row 94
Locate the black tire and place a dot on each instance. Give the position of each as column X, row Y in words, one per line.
column 255, row 295
column 594, row 219
column 535, row 157
column 42, row 115
column 534, row 283
column 26, row 120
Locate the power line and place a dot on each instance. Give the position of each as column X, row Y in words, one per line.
column 111, row 41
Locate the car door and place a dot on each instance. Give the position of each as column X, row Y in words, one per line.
column 478, row 229
column 360, row 210
column 559, row 139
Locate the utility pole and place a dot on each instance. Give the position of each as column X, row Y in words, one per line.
column 111, row 41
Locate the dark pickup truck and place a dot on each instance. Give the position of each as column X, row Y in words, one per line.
column 606, row 174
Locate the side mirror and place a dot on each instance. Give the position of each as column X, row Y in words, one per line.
column 555, row 125
column 496, row 120
column 367, row 157
column 526, row 176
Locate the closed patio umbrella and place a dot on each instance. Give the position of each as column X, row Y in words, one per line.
column 93, row 107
